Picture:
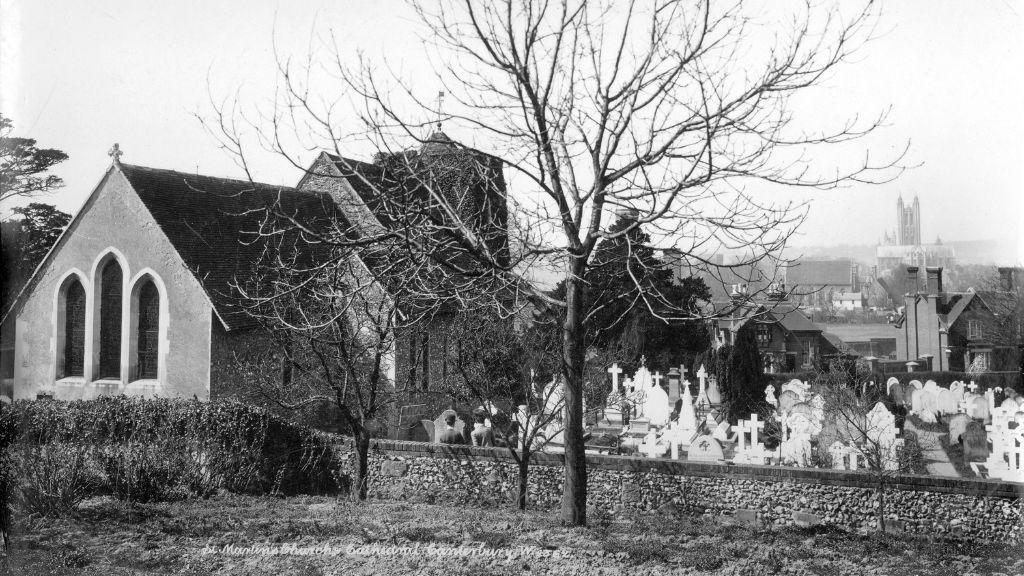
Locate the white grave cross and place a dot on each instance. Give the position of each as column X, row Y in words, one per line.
column 614, row 370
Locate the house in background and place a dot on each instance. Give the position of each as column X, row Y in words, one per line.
column 787, row 339
column 977, row 331
column 850, row 301
column 815, row 283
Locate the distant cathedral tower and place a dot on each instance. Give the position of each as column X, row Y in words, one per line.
column 905, row 246
column 909, row 221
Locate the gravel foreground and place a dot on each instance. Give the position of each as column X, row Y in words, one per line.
column 236, row 535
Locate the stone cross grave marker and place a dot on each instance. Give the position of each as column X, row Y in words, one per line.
column 650, row 446
column 755, row 452
column 702, row 379
column 769, row 396
column 614, row 370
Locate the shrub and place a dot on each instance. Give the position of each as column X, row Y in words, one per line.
column 148, row 471
column 240, row 447
column 53, row 479
column 910, row 456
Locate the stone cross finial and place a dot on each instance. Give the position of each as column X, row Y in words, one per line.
column 614, row 370
column 115, row 153
column 657, row 378
column 683, row 371
column 643, row 360
column 973, row 387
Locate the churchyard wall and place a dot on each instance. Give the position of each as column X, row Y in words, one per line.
column 765, row 495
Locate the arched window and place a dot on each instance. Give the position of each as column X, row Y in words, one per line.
column 110, row 321
column 148, row 330
column 74, row 331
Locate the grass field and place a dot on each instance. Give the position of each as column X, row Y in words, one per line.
column 106, row 537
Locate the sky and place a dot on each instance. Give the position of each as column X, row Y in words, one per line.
column 80, row 76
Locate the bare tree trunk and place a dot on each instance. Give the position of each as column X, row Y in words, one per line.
column 362, row 440
column 524, row 476
column 881, row 507
column 574, row 491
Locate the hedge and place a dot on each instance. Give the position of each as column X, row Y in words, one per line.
column 276, row 455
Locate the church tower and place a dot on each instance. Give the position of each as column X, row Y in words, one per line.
column 909, row 222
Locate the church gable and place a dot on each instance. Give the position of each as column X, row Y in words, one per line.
column 112, row 308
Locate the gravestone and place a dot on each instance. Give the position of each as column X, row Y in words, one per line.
column 800, row 388
column 673, row 386
column 928, row 405
column 428, row 429
column 957, row 425
column 897, row 392
column 796, row 449
column 714, row 395
column 981, row 411
column 721, row 432
column 975, row 440
column 702, row 391
column 752, row 452
column 655, row 404
column 787, row 400
column 409, row 425
column 705, row 449
column 769, row 396
column 881, row 431
column 909, row 395
column 948, row 402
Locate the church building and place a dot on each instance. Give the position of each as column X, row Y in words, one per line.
column 138, row 295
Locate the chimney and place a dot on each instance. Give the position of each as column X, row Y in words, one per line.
column 934, row 274
column 1006, row 279
column 777, row 291
column 739, row 292
column 911, row 281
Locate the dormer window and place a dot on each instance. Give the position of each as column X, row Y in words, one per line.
column 974, row 329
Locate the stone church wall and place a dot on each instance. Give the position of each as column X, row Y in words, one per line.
column 921, row 505
column 115, row 218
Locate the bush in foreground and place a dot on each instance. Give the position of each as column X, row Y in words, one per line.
column 160, row 449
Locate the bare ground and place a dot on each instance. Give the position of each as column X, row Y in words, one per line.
column 107, row 537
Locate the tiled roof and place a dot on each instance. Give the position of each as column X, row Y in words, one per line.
column 792, row 318
column 212, row 224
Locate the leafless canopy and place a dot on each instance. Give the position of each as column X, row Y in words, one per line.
column 681, row 110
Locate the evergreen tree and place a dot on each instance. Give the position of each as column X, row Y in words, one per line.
column 25, row 241
column 634, row 304
column 743, row 384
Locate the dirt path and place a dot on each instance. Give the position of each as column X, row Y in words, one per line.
column 937, row 461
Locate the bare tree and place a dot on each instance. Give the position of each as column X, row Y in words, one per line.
column 494, row 364
column 851, row 405
column 670, row 108
column 330, row 325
